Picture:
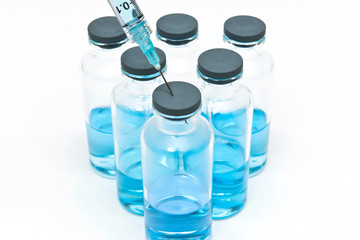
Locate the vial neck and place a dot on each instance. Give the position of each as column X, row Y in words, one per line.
column 176, row 125
column 246, row 48
column 178, row 42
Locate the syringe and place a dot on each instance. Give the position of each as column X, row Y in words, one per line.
column 136, row 27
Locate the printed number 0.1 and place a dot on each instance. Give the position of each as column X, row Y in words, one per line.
column 126, row 6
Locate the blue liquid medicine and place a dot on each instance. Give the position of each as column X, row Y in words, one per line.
column 230, row 164
column 129, row 171
column 101, row 142
column 259, row 142
column 178, row 213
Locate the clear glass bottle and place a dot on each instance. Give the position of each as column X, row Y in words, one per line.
column 177, row 35
column 228, row 106
column 246, row 35
column 101, row 72
column 177, row 151
column 131, row 108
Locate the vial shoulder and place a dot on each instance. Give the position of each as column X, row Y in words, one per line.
column 267, row 58
column 205, row 130
column 150, row 132
column 258, row 66
column 238, row 97
column 204, row 127
column 244, row 92
column 101, row 67
column 245, row 96
column 125, row 96
column 201, row 133
column 262, row 57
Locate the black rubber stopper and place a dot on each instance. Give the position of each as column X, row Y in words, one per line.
column 186, row 99
column 134, row 61
column 177, row 26
column 106, row 30
column 244, row 29
column 220, row 65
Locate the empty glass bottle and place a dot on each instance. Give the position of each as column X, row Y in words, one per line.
column 177, row 35
column 228, row 106
column 131, row 108
column 246, row 35
column 177, row 152
column 101, row 72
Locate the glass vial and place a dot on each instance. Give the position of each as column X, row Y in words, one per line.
column 246, row 35
column 101, row 72
column 177, row 35
column 228, row 106
column 131, row 108
column 177, row 152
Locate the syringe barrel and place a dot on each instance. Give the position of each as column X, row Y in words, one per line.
column 130, row 16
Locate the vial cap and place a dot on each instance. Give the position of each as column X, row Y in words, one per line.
column 186, row 99
column 220, row 66
column 106, row 30
column 134, row 61
column 177, row 26
column 244, row 29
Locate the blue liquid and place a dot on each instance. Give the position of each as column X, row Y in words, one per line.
column 130, row 192
column 230, row 163
column 182, row 211
column 259, row 142
column 101, row 143
column 129, row 171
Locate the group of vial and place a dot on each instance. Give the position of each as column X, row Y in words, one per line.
column 181, row 152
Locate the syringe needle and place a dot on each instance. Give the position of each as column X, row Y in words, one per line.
column 167, row 84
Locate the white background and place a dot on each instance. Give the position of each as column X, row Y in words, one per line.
column 310, row 188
